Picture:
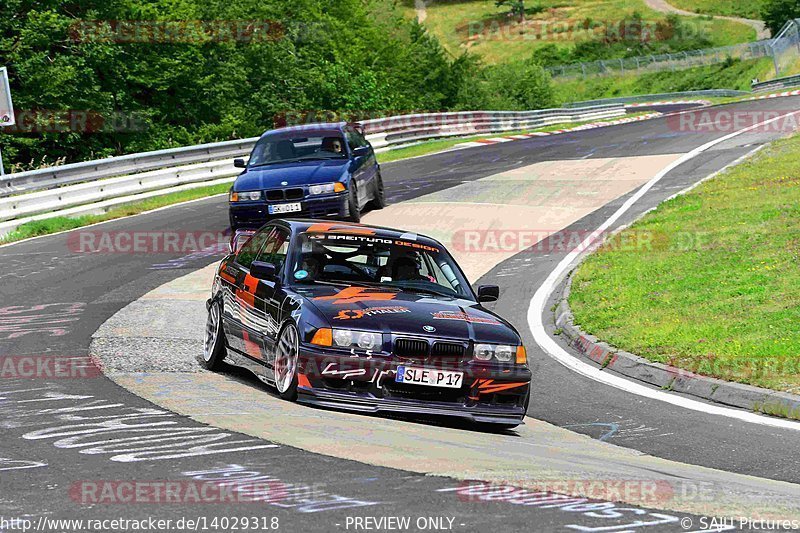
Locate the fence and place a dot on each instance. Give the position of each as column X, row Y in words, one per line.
column 95, row 186
column 783, row 49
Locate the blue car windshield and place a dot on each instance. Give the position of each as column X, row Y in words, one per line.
column 298, row 146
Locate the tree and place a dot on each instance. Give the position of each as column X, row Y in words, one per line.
column 515, row 7
column 777, row 12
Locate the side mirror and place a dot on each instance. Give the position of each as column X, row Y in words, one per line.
column 488, row 293
column 361, row 151
column 239, row 163
column 262, row 270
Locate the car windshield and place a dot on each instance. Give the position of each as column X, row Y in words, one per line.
column 298, row 146
column 375, row 260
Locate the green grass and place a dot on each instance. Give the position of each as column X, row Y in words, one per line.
column 709, row 281
column 750, row 9
column 736, row 75
column 56, row 224
column 457, row 24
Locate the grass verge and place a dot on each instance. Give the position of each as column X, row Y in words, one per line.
column 56, row 224
column 484, row 29
column 727, row 75
column 708, row 282
column 749, row 10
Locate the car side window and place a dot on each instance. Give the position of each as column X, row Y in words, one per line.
column 354, row 139
column 250, row 250
column 276, row 248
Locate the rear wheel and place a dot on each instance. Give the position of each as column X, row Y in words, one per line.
column 214, row 342
column 286, row 363
column 379, row 200
column 353, row 215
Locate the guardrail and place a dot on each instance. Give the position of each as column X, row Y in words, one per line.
column 94, row 186
column 44, row 178
column 706, row 93
column 777, row 83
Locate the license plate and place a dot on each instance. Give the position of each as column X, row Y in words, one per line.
column 429, row 377
column 284, row 208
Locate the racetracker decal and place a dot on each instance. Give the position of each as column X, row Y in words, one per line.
column 358, row 294
column 355, row 314
column 450, row 315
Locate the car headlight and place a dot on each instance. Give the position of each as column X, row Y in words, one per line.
column 499, row 352
column 326, row 188
column 364, row 340
column 245, row 196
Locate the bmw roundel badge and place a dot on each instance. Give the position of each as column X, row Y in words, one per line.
column 429, row 329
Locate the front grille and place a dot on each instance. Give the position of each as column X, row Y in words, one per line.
column 416, row 348
column 448, row 349
column 275, row 195
column 278, row 195
column 294, row 194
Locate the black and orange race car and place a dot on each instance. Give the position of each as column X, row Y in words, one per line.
column 366, row 319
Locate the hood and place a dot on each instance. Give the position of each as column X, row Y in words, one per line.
column 408, row 313
column 294, row 174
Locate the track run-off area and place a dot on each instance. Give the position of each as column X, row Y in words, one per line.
column 592, row 456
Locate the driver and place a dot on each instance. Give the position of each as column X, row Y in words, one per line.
column 332, row 144
column 405, row 269
column 313, row 265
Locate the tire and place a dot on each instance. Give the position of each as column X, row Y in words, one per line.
column 285, row 367
column 214, row 342
column 353, row 213
column 379, row 200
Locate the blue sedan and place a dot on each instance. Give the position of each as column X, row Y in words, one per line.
column 316, row 171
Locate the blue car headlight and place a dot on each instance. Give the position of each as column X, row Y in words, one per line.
column 326, row 188
column 245, row 196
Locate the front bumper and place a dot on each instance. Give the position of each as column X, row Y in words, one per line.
column 487, row 395
column 256, row 214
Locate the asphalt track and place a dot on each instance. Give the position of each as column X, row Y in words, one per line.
column 54, row 299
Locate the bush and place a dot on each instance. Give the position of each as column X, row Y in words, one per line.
column 777, row 12
column 358, row 56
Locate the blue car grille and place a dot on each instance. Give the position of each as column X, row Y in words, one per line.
column 279, row 195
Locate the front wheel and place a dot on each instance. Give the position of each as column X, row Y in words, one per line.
column 353, row 215
column 379, row 200
column 286, row 363
column 214, row 342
